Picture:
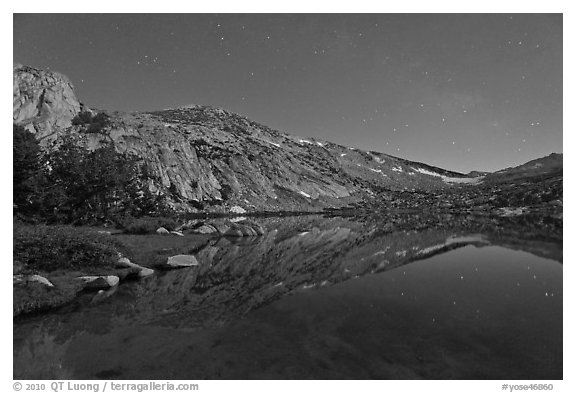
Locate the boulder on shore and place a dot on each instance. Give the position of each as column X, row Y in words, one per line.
column 237, row 210
column 40, row 279
column 125, row 262
column 177, row 261
column 206, row 229
column 162, row 231
column 100, row 282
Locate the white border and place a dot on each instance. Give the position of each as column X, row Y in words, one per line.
column 301, row 6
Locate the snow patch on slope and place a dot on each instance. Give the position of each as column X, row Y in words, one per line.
column 447, row 179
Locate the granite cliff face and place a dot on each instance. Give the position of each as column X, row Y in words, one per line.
column 44, row 102
column 204, row 158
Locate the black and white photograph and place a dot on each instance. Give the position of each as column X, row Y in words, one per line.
column 287, row 196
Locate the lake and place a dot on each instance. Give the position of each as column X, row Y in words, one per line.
column 451, row 297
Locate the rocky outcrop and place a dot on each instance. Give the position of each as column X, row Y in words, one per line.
column 44, row 102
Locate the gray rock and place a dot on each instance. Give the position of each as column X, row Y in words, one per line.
column 125, row 262
column 40, row 279
column 127, row 272
column 206, row 229
column 237, row 210
column 100, row 282
column 177, row 233
column 145, row 272
column 162, row 231
column 182, row 261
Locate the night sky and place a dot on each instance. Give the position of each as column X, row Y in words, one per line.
column 463, row 92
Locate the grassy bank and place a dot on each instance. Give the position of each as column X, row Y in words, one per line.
column 62, row 253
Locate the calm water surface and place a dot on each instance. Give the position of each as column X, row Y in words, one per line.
column 321, row 299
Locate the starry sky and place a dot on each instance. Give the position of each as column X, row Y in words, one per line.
column 459, row 91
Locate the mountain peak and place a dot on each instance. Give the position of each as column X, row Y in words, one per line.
column 43, row 101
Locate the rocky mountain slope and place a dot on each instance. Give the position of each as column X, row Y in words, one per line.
column 204, row 158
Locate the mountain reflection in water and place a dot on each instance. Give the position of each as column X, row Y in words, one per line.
column 400, row 297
